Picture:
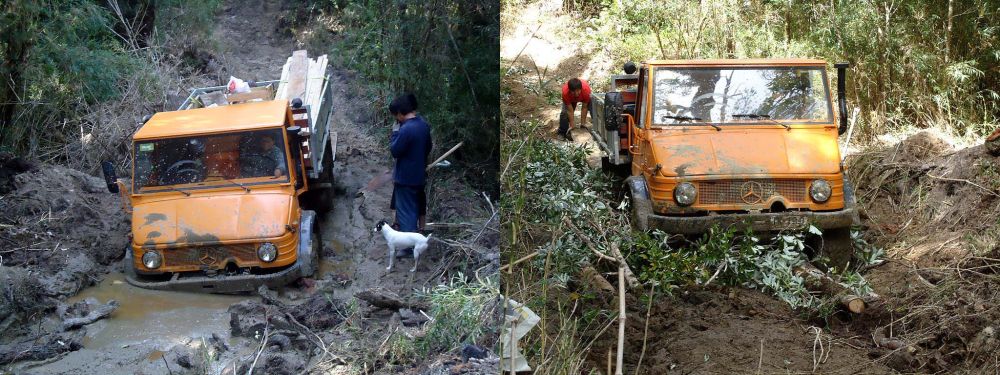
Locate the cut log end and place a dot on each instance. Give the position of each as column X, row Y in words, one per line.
column 853, row 303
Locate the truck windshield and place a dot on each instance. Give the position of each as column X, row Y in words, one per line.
column 740, row 95
column 188, row 163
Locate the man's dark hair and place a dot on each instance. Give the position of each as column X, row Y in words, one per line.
column 403, row 104
column 575, row 84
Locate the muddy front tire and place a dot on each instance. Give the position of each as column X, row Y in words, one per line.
column 639, row 203
column 835, row 248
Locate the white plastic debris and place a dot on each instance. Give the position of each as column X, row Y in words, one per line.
column 522, row 319
column 237, row 85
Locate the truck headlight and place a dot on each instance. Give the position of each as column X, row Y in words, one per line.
column 685, row 193
column 820, row 191
column 152, row 259
column 267, row 252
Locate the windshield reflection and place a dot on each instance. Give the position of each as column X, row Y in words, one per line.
column 740, row 95
column 226, row 158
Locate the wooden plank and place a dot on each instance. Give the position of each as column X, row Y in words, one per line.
column 282, row 82
column 295, row 86
column 262, row 93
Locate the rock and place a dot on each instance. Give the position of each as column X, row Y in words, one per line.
column 411, row 318
column 248, row 319
column 218, row 343
column 281, row 341
column 474, row 351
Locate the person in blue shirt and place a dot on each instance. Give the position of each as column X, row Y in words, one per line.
column 410, row 146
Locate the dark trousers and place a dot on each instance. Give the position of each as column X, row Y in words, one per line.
column 407, row 200
column 564, row 117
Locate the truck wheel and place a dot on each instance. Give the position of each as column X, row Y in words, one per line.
column 319, row 200
column 129, row 265
column 837, row 247
column 317, row 248
column 309, row 258
column 639, row 202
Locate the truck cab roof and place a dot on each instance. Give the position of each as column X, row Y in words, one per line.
column 214, row 120
column 740, row 62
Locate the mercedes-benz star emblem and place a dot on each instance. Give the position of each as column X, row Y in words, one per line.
column 206, row 258
column 751, row 192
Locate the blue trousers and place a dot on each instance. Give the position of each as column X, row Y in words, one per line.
column 407, row 206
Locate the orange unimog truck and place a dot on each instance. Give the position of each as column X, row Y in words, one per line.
column 225, row 198
column 751, row 143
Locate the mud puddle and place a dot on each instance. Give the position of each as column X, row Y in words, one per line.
column 154, row 318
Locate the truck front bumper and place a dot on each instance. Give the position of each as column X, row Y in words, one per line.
column 223, row 284
column 758, row 222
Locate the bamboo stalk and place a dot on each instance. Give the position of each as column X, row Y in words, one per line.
column 509, row 267
column 621, row 318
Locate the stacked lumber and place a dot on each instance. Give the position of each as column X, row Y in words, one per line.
column 303, row 78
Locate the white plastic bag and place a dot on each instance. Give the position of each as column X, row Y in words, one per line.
column 519, row 319
column 237, row 85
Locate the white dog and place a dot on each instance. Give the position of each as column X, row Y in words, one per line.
column 402, row 240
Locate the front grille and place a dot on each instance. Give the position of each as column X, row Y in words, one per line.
column 756, row 191
column 208, row 256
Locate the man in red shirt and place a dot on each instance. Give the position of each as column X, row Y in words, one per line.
column 574, row 91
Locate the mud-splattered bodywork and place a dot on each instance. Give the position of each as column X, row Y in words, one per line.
column 757, row 171
column 208, row 232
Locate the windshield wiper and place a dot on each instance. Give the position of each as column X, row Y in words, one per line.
column 237, row 184
column 757, row 116
column 176, row 189
column 689, row 119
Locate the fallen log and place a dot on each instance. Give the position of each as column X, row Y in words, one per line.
column 41, row 347
column 386, row 299
column 817, row 280
column 595, row 279
column 96, row 313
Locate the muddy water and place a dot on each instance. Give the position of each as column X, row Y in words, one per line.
column 158, row 319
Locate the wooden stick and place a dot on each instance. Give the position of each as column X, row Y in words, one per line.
column 446, row 154
column 994, row 193
column 621, row 318
column 514, row 263
column 645, row 331
column 586, row 241
column 609, row 361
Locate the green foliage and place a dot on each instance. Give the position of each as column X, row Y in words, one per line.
column 63, row 59
column 459, row 309
column 443, row 52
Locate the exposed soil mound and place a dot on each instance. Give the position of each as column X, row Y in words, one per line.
column 936, row 210
column 710, row 331
column 58, row 228
column 927, row 193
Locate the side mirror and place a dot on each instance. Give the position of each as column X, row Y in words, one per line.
column 842, row 95
column 110, row 177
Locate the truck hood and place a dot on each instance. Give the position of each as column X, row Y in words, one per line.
column 744, row 151
column 210, row 219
